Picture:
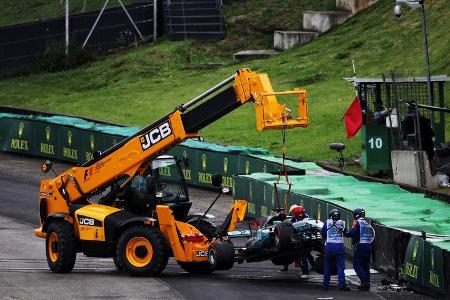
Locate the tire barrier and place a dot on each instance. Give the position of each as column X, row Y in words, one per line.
column 397, row 251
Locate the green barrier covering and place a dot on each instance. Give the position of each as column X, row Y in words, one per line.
column 407, row 211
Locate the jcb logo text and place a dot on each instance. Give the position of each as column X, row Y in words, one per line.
column 86, row 221
column 155, row 135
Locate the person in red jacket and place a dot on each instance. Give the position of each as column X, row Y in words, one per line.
column 298, row 213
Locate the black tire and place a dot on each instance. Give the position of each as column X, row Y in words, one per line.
column 197, row 268
column 117, row 263
column 283, row 234
column 142, row 251
column 204, row 226
column 221, row 255
column 284, row 260
column 60, row 246
column 319, row 265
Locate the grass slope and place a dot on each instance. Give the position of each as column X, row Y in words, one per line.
column 140, row 85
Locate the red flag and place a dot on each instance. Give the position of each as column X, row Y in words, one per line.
column 353, row 118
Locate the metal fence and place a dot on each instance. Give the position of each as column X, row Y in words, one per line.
column 395, row 93
column 24, row 44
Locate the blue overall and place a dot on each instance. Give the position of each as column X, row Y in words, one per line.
column 362, row 235
column 334, row 250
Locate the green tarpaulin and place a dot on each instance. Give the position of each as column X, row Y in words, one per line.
column 386, row 203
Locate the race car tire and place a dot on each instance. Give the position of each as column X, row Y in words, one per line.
column 283, row 234
column 319, row 265
column 221, row 255
column 284, row 260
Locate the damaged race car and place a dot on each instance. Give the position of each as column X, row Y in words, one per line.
column 279, row 240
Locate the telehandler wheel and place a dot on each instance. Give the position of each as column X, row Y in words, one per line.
column 142, row 251
column 221, row 255
column 196, row 268
column 283, row 233
column 60, row 246
column 117, row 263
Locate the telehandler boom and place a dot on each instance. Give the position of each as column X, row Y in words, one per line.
column 141, row 238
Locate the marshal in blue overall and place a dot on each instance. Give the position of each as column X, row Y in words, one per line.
column 362, row 234
column 334, row 230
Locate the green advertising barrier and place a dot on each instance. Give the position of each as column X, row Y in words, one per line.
column 5, row 130
column 413, row 268
column 434, row 267
column 75, row 139
column 48, row 138
column 21, row 138
column 424, row 264
column 51, row 140
column 206, row 159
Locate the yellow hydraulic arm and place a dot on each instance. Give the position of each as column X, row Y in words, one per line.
column 133, row 155
column 270, row 114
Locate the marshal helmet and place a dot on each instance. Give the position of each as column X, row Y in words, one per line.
column 334, row 214
column 359, row 213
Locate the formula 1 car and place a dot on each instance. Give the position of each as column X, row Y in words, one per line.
column 279, row 240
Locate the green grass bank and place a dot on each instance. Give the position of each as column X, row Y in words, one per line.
column 139, row 85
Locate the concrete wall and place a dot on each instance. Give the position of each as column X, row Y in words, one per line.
column 283, row 40
column 354, row 6
column 407, row 168
column 322, row 21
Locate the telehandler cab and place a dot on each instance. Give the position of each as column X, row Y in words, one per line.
column 98, row 209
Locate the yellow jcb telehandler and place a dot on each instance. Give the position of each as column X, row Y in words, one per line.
column 99, row 209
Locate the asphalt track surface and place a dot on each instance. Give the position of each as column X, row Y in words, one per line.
column 24, row 273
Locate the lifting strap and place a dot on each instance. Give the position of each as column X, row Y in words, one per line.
column 283, row 172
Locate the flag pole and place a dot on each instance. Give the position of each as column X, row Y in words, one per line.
column 354, row 76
